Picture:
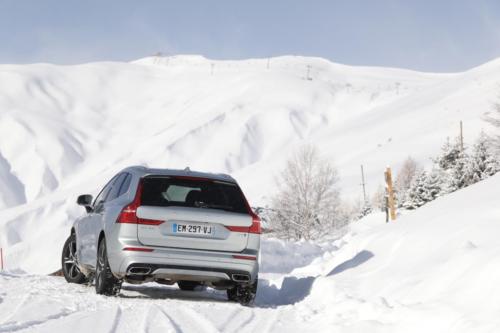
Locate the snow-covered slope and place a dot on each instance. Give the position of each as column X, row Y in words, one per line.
column 64, row 130
column 434, row 270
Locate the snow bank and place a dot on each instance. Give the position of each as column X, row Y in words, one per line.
column 436, row 269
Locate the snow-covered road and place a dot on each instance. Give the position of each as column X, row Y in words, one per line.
column 48, row 304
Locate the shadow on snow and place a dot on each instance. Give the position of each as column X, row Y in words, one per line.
column 357, row 260
column 291, row 291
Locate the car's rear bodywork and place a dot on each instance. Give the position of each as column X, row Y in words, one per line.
column 174, row 225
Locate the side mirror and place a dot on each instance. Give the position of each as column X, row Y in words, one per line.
column 85, row 200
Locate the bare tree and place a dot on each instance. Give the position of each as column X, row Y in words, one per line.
column 379, row 199
column 307, row 203
column 406, row 175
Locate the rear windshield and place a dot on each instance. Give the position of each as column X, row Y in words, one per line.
column 170, row 191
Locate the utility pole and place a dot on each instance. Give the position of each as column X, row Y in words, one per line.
column 390, row 194
column 268, row 60
column 212, row 65
column 363, row 184
column 308, row 72
column 461, row 136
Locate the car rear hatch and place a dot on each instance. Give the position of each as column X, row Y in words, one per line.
column 193, row 213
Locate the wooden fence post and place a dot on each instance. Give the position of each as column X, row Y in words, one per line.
column 390, row 193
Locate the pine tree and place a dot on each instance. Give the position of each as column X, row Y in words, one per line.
column 449, row 154
column 483, row 162
column 433, row 185
column 416, row 195
column 461, row 172
column 455, row 166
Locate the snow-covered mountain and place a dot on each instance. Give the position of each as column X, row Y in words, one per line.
column 64, row 130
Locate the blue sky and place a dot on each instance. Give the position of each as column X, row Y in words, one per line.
column 440, row 36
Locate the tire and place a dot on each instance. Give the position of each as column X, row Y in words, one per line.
column 69, row 262
column 243, row 294
column 105, row 282
column 188, row 285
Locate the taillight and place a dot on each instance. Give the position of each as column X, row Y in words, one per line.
column 255, row 228
column 129, row 212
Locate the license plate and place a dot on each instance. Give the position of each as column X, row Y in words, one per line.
column 192, row 229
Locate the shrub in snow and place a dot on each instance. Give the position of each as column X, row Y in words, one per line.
column 307, row 203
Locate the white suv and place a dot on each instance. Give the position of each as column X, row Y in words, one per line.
column 168, row 226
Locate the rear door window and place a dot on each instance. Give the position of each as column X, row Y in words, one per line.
column 197, row 193
column 101, row 198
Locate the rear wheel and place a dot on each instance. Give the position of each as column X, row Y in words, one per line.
column 69, row 262
column 188, row 285
column 105, row 282
column 243, row 293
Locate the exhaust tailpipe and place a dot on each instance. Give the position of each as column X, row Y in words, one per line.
column 241, row 277
column 139, row 270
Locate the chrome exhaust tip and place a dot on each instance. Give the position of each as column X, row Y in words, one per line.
column 139, row 271
column 241, row 277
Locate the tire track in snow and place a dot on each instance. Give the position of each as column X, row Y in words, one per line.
column 116, row 320
column 18, row 306
column 174, row 323
column 195, row 322
column 244, row 323
column 230, row 319
column 268, row 322
column 152, row 321
column 15, row 326
column 241, row 318
column 252, row 320
column 146, row 319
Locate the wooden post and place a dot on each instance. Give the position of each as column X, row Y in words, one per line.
column 1, row 259
column 390, row 194
column 364, row 185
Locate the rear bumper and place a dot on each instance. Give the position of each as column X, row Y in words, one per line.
column 181, row 264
